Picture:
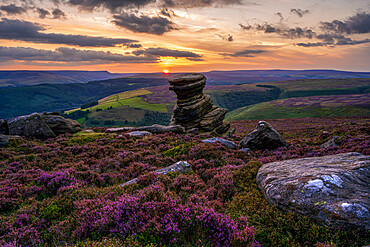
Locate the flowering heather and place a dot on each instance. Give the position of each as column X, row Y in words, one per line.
column 65, row 190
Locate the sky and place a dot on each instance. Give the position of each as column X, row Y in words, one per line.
column 130, row 36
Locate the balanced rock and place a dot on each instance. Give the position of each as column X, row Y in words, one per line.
column 159, row 129
column 333, row 189
column 263, row 137
column 181, row 166
column 194, row 109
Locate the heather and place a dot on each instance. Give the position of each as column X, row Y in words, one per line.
column 65, row 191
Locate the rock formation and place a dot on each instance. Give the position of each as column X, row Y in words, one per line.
column 159, row 129
column 226, row 143
column 194, row 109
column 333, row 189
column 263, row 137
column 40, row 126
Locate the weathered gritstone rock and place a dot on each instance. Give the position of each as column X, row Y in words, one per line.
column 194, row 109
column 42, row 126
column 181, row 166
column 263, row 137
column 334, row 189
column 60, row 125
column 30, row 126
column 139, row 133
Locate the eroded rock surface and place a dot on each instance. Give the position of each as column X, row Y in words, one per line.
column 5, row 139
column 181, row 166
column 118, row 130
column 4, row 130
column 60, row 125
column 334, row 189
column 263, row 137
column 139, row 133
column 194, row 109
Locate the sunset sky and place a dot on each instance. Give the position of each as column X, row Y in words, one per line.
column 184, row 35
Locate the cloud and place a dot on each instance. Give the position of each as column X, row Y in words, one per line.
column 333, row 41
column 42, row 12
column 198, row 3
column 13, row 9
column 244, row 53
column 32, row 32
column 291, row 33
column 163, row 52
column 227, row 38
column 64, row 54
column 357, row 24
column 299, row 12
column 144, row 24
column 58, row 14
column 112, row 5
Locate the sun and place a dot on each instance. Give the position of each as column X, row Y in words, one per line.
column 166, row 71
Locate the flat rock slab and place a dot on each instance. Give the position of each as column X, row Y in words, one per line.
column 139, row 133
column 5, row 139
column 333, row 189
column 159, row 129
column 118, row 130
column 226, row 143
column 181, row 166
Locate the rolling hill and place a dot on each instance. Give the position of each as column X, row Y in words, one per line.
column 20, row 78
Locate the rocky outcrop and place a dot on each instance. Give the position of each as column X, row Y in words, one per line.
column 333, row 189
column 159, row 129
column 5, row 139
column 181, row 166
column 41, row 126
column 194, row 109
column 226, row 143
column 263, row 137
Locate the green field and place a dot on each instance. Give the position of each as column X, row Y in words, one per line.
column 315, row 106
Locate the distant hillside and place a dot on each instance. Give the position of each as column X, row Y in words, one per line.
column 314, row 106
column 152, row 105
column 55, row 97
column 254, row 76
column 20, row 78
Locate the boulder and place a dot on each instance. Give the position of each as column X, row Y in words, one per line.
column 31, row 126
column 333, row 189
column 139, row 133
column 181, row 166
column 119, row 130
column 194, row 109
column 333, row 142
column 158, row 129
column 264, row 137
column 5, row 139
column 245, row 150
column 226, row 143
column 4, row 130
column 60, row 125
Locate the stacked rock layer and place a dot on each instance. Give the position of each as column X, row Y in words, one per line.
column 194, row 109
